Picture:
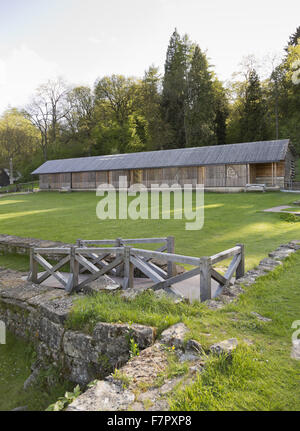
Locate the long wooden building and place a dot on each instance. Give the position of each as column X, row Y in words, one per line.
column 219, row 168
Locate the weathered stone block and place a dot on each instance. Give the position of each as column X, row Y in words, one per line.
column 79, row 346
column 174, row 335
column 57, row 310
column 81, row 372
column 102, row 397
column 50, row 333
column 224, row 347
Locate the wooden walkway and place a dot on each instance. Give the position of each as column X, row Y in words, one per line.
column 90, row 260
column 189, row 289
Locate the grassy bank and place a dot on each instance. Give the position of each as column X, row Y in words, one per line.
column 16, row 357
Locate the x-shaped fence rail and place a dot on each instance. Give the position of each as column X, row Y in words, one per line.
column 119, row 258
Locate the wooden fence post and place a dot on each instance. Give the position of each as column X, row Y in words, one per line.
column 240, row 271
column 79, row 245
column 120, row 268
column 74, row 267
column 205, row 278
column 33, row 267
column 128, row 269
column 171, row 249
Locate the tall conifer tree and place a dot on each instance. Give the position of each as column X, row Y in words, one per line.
column 201, row 103
column 175, row 88
column 253, row 118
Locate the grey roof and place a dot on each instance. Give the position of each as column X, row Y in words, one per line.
column 248, row 152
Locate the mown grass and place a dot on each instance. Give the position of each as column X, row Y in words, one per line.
column 16, row 357
column 229, row 219
column 15, row 261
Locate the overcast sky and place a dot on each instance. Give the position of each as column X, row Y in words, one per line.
column 82, row 40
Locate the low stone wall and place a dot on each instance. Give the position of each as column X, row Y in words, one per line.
column 38, row 314
column 18, row 245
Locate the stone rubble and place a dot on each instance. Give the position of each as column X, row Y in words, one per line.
column 137, row 387
column 262, row 318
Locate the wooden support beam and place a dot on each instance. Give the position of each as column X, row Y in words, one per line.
column 171, row 249
column 97, row 260
column 176, row 279
column 224, row 254
column 167, row 256
column 146, row 269
column 33, row 267
column 156, row 268
column 144, row 240
column 52, row 250
column 87, row 264
column 240, row 271
column 93, row 277
column 128, row 270
column 74, row 269
column 120, row 269
column 205, row 278
column 49, row 269
column 97, row 250
column 70, row 283
column 152, row 265
column 59, row 264
column 90, row 242
column 233, row 266
column 218, row 277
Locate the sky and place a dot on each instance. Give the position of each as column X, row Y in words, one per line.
column 82, row 40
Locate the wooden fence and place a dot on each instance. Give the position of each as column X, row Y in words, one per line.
column 119, row 258
column 19, row 187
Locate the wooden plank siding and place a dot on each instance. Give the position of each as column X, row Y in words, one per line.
column 271, row 174
column 227, row 175
column 114, row 178
column 174, row 175
column 55, row 181
column 83, row 180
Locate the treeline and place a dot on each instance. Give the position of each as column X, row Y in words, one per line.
column 187, row 106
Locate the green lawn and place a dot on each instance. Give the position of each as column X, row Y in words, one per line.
column 16, row 357
column 229, row 219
